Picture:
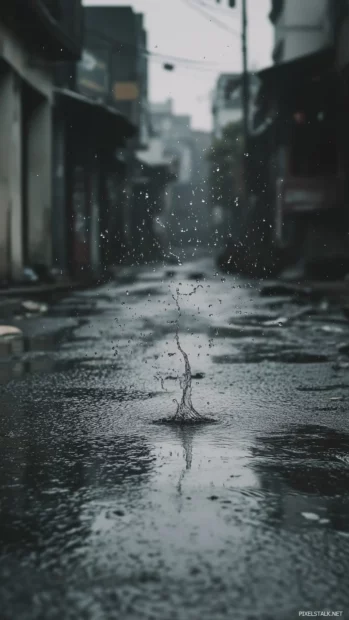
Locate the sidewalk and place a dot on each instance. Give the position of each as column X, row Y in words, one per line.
column 21, row 307
column 11, row 299
column 309, row 289
column 34, row 290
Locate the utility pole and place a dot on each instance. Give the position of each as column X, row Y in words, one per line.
column 245, row 75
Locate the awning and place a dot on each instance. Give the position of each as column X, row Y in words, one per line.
column 113, row 117
column 285, row 82
column 318, row 63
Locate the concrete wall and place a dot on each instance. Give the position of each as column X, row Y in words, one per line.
column 59, row 198
column 20, row 68
column 15, row 158
column 6, row 96
column 10, row 177
column 39, row 184
column 95, row 221
column 342, row 40
column 36, row 72
column 303, row 27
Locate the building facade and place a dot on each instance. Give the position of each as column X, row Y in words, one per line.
column 186, row 217
column 99, row 125
column 154, row 175
column 300, row 28
column 227, row 104
column 298, row 140
column 176, row 136
column 89, row 181
column 34, row 36
column 202, row 212
column 228, row 196
column 89, row 184
column 116, row 36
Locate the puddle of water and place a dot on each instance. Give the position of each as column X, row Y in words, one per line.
column 253, row 319
column 236, row 332
column 17, row 369
column 322, row 388
column 286, row 357
column 16, row 346
column 11, row 345
column 34, row 343
column 123, row 395
column 308, row 465
column 196, row 275
column 198, row 464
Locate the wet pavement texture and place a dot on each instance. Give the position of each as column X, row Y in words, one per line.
column 106, row 515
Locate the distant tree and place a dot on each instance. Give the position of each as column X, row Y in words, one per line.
column 226, row 158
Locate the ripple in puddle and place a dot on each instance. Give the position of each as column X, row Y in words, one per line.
column 173, row 421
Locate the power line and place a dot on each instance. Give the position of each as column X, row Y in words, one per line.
column 192, row 61
column 197, row 69
column 188, row 63
column 210, row 17
column 121, row 46
column 204, row 6
column 216, row 9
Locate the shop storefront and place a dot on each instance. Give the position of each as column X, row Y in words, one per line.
column 304, row 172
column 34, row 35
column 90, row 187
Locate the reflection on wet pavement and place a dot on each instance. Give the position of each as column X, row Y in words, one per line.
column 106, row 515
column 307, row 461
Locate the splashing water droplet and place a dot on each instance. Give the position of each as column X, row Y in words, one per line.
column 185, row 409
column 186, row 413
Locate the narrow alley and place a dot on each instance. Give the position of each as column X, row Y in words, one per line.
column 174, row 309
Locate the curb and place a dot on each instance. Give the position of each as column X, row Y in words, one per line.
column 43, row 289
column 11, row 299
column 335, row 289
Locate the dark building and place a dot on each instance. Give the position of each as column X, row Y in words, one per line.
column 302, row 181
column 116, row 36
column 52, row 29
column 34, row 37
column 299, row 142
column 202, row 213
column 90, row 174
column 112, row 75
column 150, row 186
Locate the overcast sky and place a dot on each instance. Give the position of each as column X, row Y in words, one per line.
column 189, row 29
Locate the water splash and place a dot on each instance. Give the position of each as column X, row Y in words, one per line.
column 186, row 412
column 185, row 409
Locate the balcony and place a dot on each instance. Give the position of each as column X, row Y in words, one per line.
column 51, row 28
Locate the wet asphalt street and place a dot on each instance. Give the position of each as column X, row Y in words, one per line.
column 106, row 515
